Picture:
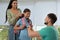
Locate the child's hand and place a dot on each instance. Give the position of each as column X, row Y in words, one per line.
column 15, row 31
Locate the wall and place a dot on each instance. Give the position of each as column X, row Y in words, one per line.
column 39, row 11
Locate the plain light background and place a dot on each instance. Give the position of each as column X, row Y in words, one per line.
column 39, row 10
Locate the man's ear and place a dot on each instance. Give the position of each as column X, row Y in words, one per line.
column 49, row 20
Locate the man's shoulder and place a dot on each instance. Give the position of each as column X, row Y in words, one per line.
column 46, row 28
column 49, row 28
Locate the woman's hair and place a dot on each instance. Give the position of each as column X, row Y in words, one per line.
column 9, row 7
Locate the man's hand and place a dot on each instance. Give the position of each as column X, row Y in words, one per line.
column 32, row 33
column 39, row 38
column 30, row 28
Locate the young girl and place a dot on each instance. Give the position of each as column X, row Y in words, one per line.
column 22, row 25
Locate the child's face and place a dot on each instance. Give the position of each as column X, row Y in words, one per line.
column 27, row 14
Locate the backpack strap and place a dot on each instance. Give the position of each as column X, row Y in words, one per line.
column 23, row 21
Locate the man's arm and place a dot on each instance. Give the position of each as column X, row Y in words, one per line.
column 32, row 33
column 39, row 38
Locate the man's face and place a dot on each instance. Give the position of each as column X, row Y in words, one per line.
column 47, row 20
column 27, row 14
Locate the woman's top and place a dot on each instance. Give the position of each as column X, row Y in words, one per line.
column 11, row 17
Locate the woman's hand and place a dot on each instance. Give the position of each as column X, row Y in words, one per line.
column 18, row 15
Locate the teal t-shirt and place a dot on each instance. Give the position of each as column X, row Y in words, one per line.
column 48, row 33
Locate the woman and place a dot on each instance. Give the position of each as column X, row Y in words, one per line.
column 12, row 15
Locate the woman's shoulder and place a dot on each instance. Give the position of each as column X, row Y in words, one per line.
column 19, row 10
column 8, row 10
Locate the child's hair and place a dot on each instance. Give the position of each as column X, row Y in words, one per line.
column 26, row 10
column 22, row 16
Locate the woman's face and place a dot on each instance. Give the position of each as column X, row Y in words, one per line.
column 14, row 4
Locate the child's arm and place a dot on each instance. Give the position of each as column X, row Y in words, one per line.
column 16, row 27
column 18, row 23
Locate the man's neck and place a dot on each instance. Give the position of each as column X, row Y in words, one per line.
column 50, row 24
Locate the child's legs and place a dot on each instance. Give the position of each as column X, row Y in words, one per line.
column 17, row 35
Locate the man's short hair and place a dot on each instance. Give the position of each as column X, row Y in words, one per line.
column 53, row 17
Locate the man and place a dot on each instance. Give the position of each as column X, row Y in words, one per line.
column 22, row 25
column 47, row 33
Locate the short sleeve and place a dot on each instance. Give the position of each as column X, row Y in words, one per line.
column 18, row 22
column 42, row 32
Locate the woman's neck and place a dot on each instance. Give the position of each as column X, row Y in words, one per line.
column 13, row 8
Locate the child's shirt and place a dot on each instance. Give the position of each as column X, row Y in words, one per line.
column 24, row 33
